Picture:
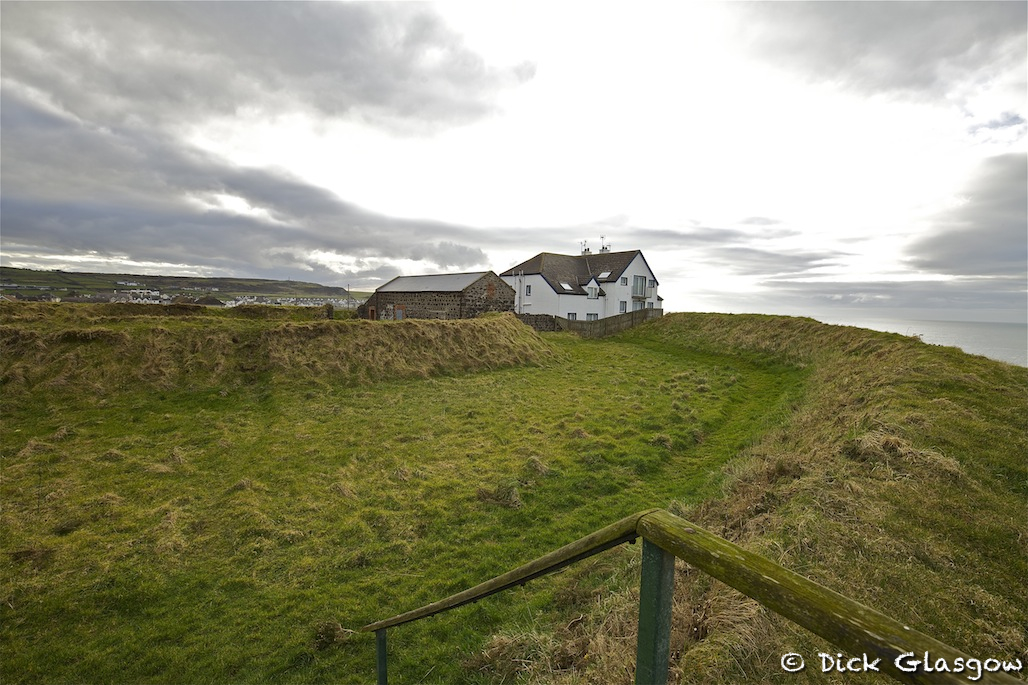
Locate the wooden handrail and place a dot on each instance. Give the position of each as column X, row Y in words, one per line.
column 844, row 622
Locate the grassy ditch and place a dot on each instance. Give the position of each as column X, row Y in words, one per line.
column 199, row 499
column 899, row 478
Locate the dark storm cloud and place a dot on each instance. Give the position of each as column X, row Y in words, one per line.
column 916, row 49
column 751, row 261
column 84, row 189
column 95, row 97
column 661, row 238
column 739, row 251
column 1006, row 120
column 702, row 235
column 988, row 234
column 142, row 63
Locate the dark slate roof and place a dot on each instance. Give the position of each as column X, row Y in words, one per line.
column 578, row 270
column 434, row 283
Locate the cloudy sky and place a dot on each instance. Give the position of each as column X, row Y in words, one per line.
column 773, row 157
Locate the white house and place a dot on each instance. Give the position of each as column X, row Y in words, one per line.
column 586, row 287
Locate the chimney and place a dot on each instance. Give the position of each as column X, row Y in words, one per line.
column 585, row 248
column 604, row 247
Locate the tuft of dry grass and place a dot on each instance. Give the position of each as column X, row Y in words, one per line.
column 342, row 489
column 537, row 466
column 328, row 634
column 505, row 494
column 113, row 455
column 888, row 452
column 243, row 485
column 662, row 440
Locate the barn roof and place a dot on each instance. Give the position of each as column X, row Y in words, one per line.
column 432, row 283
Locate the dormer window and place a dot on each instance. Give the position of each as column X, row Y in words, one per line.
column 594, row 292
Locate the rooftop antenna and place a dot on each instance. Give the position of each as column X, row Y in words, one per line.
column 604, row 247
column 585, row 248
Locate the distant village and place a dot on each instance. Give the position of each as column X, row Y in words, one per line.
column 138, row 293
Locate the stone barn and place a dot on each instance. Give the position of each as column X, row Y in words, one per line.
column 439, row 296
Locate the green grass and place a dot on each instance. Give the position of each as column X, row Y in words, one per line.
column 215, row 500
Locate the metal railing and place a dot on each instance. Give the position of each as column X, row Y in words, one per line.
column 847, row 624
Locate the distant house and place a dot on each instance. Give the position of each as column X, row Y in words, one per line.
column 586, row 287
column 439, row 296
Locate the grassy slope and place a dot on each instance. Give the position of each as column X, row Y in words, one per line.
column 900, row 478
column 220, row 500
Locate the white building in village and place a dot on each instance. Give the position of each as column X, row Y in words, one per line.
column 585, row 287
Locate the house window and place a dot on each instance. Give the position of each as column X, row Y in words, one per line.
column 653, row 283
column 592, row 317
column 636, row 306
column 649, row 305
column 624, row 306
column 528, row 291
column 594, row 292
column 624, row 280
column 639, row 286
column 572, row 316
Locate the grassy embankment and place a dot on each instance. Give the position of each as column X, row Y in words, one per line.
column 899, row 478
column 209, row 499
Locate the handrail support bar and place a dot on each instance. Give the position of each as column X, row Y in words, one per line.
column 656, row 589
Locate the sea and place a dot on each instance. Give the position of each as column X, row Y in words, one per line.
column 1007, row 342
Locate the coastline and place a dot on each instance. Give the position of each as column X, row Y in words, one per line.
column 1006, row 342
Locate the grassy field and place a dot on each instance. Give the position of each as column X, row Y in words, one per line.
column 219, row 498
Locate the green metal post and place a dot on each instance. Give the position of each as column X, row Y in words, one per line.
column 655, row 591
column 380, row 653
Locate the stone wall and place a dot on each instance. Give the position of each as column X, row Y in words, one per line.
column 488, row 294
column 544, row 323
column 590, row 329
column 431, row 305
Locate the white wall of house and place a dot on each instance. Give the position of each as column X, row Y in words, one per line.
column 617, row 292
column 533, row 295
